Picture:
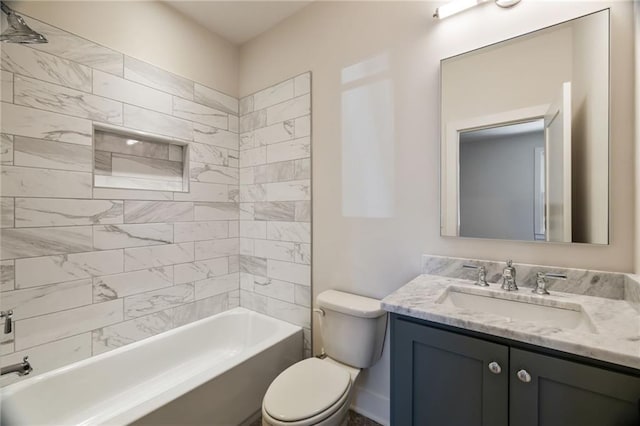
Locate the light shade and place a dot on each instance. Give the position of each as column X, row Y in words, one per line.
column 455, row 6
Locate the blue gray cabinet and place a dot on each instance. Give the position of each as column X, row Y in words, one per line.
column 441, row 376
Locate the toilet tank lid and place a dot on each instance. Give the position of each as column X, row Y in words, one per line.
column 350, row 304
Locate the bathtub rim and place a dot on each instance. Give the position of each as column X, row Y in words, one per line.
column 128, row 413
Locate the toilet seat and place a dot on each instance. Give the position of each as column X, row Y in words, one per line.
column 307, row 392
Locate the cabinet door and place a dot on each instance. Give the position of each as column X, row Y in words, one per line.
column 441, row 378
column 565, row 393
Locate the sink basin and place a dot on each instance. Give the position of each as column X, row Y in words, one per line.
column 520, row 307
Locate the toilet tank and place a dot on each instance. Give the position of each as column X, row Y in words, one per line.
column 352, row 327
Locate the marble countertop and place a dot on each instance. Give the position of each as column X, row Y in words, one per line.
column 616, row 322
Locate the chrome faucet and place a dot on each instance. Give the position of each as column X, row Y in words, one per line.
column 22, row 368
column 482, row 274
column 509, row 277
column 541, row 281
column 8, row 322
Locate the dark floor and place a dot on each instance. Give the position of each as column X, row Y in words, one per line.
column 354, row 419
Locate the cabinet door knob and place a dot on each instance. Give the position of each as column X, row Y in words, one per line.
column 494, row 367
column 524, row 376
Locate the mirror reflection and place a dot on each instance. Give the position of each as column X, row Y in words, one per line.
column 525, row 137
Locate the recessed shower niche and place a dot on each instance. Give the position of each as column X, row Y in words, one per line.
column 133, row 160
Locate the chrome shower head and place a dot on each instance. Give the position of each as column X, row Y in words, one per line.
column 19, row 31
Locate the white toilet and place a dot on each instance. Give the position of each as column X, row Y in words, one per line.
column 318, row 391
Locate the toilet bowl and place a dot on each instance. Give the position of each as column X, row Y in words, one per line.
column 319, row 391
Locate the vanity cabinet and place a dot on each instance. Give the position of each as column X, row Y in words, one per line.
column 441, row 377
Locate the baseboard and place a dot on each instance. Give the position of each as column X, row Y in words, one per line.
column 371, row 405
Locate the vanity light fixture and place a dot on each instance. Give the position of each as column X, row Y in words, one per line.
column 457, row 6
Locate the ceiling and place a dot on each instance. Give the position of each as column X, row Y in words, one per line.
column 237, row 20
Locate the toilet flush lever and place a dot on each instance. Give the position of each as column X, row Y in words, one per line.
column 319, row 311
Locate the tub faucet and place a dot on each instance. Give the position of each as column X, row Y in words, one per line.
column 509, row 277
column 22, row 368
column 8, row 322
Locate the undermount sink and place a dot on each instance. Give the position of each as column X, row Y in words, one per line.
column 520, row 307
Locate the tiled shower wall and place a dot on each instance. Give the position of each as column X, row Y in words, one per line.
column 86, row 269
column 275, row 202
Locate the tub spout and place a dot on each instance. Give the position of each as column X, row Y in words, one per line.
column 22, row 369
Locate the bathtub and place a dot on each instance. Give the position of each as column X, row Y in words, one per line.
column 211, row 372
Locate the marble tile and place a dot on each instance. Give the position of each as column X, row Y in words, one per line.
column 6, row 89
column 106, row 237
column 253, row 265
column 297, row 232
column 283, row 250
column 246, row 246
column 290, row 272
column 43, row 66
column 46, row 328
column 253, row 229
column 253, row 301
column 6, row 149
column 289, row 312
column 246, row 105
column 217, row 285
column 199, row 231
column 252, row 193
column 296, row 107
column 209, row 154
column 65, row 212
column 146, row 168
column 119, row 89
column 204, row 192
column 51, row 155
column 157, row 256
column 246, row 176
column 7, row 212
column 276, row 172
column 32, row 242
column 273, row 95
column 302, row 169
column 290, row 150
column 632, row 289
column 215, row 211
column 200, row 309
column 234, row 263
column 154, row 301
column 102, row 162
column 200, row 270
column 302, row 126
column 216, row 248
column 208, row 173
column 303, row 211
column 112, row 142
column 234, row 124
column 124, row 333
column 147, row 74
column 275, row 210
column 55, row 269
column 124, row 182
column 253, row 157
column 131, row 194
column 302, row 295
column 7, row 275
column 215, row 136
column 215, row 99
column 234, row 193
column 297, row 190
column 276, row 289
column 109, row 287
column 46, row 299
column 253, row 120
column 234, row 229
column 7, row 344
column 155, row 122
column 275, row 133
column 51, row 97
column 49, row 356
column 199, row 113
column 302, row 84
column 35, row 123
column 157, row 211
column 77, row 49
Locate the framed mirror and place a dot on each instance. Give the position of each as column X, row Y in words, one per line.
column 525, row 136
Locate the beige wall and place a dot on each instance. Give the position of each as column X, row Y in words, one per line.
column 374, row 256
column 146, row 30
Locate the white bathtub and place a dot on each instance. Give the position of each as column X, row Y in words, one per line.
column 213, row 371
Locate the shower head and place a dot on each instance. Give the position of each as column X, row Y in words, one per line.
column 19, row 31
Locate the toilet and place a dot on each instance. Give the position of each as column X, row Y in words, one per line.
column 318, row 391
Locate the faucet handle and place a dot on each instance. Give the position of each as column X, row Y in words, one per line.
column 482, row 274
column 541, row 281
